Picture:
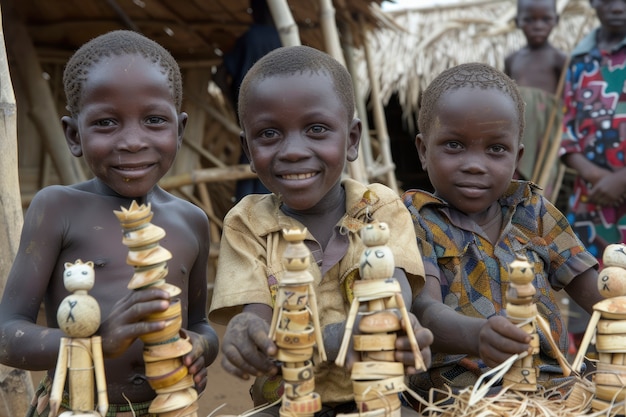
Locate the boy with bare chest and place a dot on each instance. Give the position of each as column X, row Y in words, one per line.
column 124, row 95
column 537, row 69
column 538, row 64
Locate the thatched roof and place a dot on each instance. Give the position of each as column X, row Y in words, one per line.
column 40, row 36
column 195, row 31
column 437, row 38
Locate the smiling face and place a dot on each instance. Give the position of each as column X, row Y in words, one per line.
column 127, row 129
column 472, row 147
column 536, row 18
column 298, row 136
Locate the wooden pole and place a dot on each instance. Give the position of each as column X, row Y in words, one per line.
column 380, row 123
column 16, row 387
column 229, row 173
column 187, row 158
column 357, row 168
column 41, row 105
column 286, row 25
column 329, row 29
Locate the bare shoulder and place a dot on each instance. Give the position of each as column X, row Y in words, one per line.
column 173, row 209
column 510, row 62
column 170, row 202
column 69, row 197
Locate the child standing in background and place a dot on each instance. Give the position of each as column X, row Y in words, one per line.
column 537, row 69
column 124, row 94
column 476, row 223
column 594, row 130
column 594, row 134
column 296, row 109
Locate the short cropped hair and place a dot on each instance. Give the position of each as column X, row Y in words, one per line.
column 118, row 42
column 475, row 75
column 290, row 60
column 525, row 3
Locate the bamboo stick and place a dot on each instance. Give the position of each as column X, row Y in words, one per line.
column 545, row 328
column 192, row 198
column 379, row 114
column 329, row 29
column 16, row 388
column 206, row 154
column 231, row 173
column 357, row 167
column 286, row 25
column 205, row 197
column 227, row 123
column 584, row 344
column 187, row 157
column 101, row 387
column 41, row 104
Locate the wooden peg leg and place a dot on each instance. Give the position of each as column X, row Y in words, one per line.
column 591, row 329
column 316, row 323
column 341, row 356
column 419, row 361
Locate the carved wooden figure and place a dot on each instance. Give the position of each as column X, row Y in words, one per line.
column 163, row 350
column 80, row 355
column 608, row 325
column 296, row 329
column 521, row 310
column 376, row 377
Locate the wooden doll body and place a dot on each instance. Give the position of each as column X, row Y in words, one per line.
column 80, row 360
column 377, row 378
column 522, row 310
column 608, row 325
column 295, row 328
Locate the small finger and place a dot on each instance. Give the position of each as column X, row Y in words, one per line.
column 200, row 380
column 233, row 370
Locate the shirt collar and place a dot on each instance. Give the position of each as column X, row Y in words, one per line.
column 517, row 192
column 589, row 43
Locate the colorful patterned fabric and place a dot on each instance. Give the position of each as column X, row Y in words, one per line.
column 473, row 272
column 594, row 124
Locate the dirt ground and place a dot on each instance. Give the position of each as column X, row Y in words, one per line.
column 223, row 390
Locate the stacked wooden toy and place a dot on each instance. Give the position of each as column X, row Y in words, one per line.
column 608, row 324
column 522, row 311
column 377, row 378
column 295, row 329
column 80, row 354
column 163, row 350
